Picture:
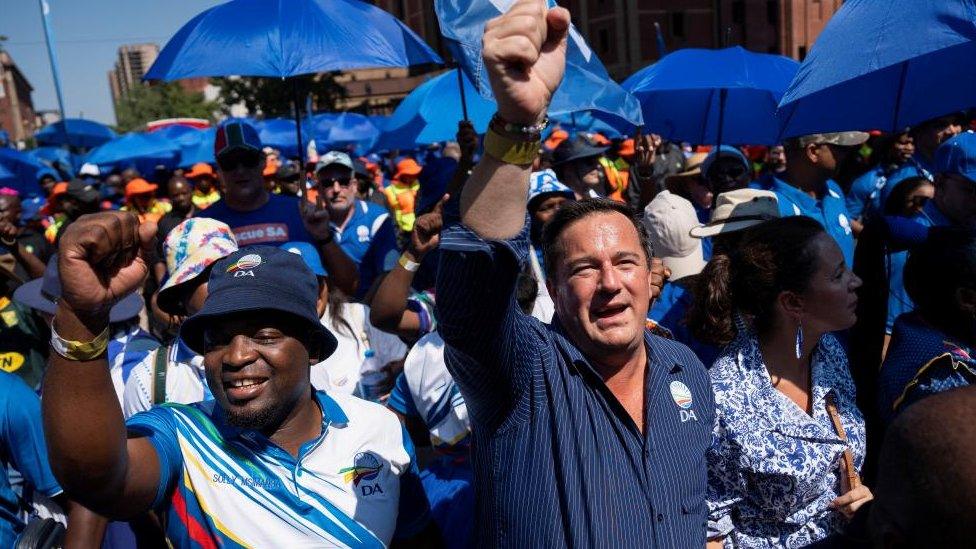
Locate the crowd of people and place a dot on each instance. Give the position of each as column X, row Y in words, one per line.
column 500, row 341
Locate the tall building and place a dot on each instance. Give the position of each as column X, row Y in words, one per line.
column 17, row 116
column 133, row 62
column 622, row 32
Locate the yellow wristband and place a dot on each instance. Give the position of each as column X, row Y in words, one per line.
column 80, row 351
column 510, row 151
column 407, row 264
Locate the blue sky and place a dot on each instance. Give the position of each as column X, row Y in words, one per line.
column 87, row 34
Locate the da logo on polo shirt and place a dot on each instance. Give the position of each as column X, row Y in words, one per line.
column 844, row 223
column 245, row 265
column 366, row 467
column 681, row 395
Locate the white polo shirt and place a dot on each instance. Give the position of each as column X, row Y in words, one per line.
column 353, row 486
column 186, row 381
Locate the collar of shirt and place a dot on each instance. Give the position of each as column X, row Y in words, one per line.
column 332, row 416
column 749, row 366
column 653, row 385
column 800, row 199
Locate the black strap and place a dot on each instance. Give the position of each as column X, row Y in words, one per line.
column 159, row 375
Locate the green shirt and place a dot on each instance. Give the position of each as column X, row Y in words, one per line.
column 23, row 342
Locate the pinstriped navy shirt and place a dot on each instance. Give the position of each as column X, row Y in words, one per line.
column 558, row 461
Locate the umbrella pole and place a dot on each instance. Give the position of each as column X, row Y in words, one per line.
column 296, row 98
column 464, row 104
column 723, row 94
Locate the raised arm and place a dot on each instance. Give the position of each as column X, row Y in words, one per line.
column 343, row 272
column 102, row 259
column 525, row 55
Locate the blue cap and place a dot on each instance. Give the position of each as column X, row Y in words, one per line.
column 546, row 182
column 726, row 151
column 958, row 156
column 309, row 255
column 236, row 135
column 259, row 278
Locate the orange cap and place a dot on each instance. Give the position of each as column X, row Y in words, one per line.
column 599, row 139
column 270, row 167
column 198, row 169
column 555, row 138
column 627, row 148
column 139, row 186
column 407, row 166
column 58, row 190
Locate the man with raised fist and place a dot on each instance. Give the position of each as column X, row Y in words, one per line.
column 589, row 431
column 268, row 462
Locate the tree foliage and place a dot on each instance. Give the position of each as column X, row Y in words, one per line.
column 164, row 100
column 274, row 97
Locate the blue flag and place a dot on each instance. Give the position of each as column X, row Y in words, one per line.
column 586, row 86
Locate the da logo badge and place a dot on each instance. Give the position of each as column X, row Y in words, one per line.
column 365, row 468
column 682, row 398
column 245, row 265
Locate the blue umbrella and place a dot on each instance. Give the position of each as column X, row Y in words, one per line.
column 197, row 147
column 279, row 133
column 431, row 112
column 584, row 121
column 136, row 149
column 283, row 38
column 885, row 65
column 585, row 86
column 26, row 171
column 56, row 155
column 75, row 132
column 338, row 130
column 6, row 176
column 713, row 96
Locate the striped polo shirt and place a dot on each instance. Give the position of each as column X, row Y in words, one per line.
column 355, row 485
column 558, row 461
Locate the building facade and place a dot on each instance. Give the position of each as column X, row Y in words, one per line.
column 17, row 116
column 132, row 63
column 622, row 32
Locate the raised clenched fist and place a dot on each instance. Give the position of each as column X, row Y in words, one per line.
column 102, row 258
column 525, row 55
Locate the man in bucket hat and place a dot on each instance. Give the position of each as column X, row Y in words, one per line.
column 269, row 462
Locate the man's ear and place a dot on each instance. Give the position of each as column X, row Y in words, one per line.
column 812, row 152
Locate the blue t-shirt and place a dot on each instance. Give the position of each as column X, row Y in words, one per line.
column 277, row 222
column 22, row 448
column 369, row 239
column 870, row 191
column 829, row 210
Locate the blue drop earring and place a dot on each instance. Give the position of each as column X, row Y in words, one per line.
column 799, row 340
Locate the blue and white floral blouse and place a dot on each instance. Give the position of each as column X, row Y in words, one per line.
column 773, row 469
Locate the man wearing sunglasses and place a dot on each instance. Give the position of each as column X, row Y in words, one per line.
column 259, row 217
column 363, row 229
column 807, row 188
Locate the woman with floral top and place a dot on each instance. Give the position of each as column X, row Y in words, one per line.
column 782, row 472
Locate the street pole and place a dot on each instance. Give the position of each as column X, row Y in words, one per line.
column 48, row 38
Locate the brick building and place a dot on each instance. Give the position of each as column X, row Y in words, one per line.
column 622, row 31
column 17, row 114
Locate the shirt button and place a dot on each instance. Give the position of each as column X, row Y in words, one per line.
column 299, row 473
column 660, row 517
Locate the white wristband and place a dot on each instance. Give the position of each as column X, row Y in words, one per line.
column 407, row 264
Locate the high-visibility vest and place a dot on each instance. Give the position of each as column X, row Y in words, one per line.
column 402, row 200
column 616, row 179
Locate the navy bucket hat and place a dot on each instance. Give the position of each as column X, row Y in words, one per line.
column 259, row 278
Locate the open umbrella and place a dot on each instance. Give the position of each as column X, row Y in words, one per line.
column 885, row 65
column 197, row 147
column 586, row 84
column 584, row 121
column 136, row 149
column 57, row 157
column 26, row 171
column 75, row 132
column 338, row 130
column 431, row 112
column 713, row 96
column 283, row 38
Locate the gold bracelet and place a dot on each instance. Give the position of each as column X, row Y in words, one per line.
column 510, row 151
column 80, row 351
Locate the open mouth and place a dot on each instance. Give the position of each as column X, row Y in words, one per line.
column 244, row 388
column 609, row 312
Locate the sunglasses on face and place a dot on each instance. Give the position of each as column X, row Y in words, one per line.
column 230, row 163
column 327, row 182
